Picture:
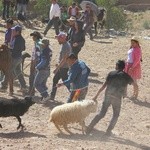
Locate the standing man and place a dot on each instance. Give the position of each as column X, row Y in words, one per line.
column 115, row 84
column 78, row 78
column 61, row 71
column 9, row 24
column 36, row 36
column 6, row 6
column 18, row 45
column 88, row 19
column 71, row 21
column 22, row 9
column 73, row 10
column 43, row 69
column 54, row 16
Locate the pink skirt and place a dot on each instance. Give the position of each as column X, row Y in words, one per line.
column 135, row 73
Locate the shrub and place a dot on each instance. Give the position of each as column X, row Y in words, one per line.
column 146, row 24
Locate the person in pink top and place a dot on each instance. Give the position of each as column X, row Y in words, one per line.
column 133, row 64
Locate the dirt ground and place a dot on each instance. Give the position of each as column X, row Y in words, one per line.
column 132, row 131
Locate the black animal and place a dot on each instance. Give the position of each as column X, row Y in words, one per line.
column 16, row 108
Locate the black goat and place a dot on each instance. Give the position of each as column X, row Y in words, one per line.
column 16, row 108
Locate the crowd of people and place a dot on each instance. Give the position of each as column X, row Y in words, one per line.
column 73, row 72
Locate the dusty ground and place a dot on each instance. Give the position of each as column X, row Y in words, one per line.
column 132, row 131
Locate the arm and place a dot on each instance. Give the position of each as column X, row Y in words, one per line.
column 100, row 90
column 72, row 75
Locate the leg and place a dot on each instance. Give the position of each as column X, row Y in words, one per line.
column 95, row 27
column 39, row 82
column 116, row 105
column 57, row 127
column 66, row 128
column 1, row 126
column 71, row 96
column 83, row 94
column 4, row 10
column 99, row 116
column 7, row 13
column 136, row 90
column 82, row 123
column 64, row 75
column 49, row 25
column 20, row 125
column 56, row 25
column 56, row 78
column 20, row 76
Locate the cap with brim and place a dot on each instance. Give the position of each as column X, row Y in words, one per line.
column 61, row 35
column 44, row 42
column 37, row 34
column 17, row 28
column 71, row 19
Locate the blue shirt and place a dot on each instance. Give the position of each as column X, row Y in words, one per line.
column 45, row 58
column 78, row 75
column 8, row 35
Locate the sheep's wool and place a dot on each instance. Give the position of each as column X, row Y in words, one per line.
column 72, row 112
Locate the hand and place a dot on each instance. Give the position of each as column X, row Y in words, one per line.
column 130, row 70
column 75, row 44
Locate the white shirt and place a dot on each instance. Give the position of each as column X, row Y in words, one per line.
column 130, row 59
column 54, row 11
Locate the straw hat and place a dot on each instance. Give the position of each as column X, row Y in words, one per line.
column 134, row 38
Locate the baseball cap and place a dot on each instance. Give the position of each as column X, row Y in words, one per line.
column 17, row 28
column 61, row 35
column 37, row 34
column 44, row 41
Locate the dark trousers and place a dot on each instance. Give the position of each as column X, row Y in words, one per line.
column 116, row 105
column 55, row 22
column 6, row 7
column 82, row 95
column 61, row 74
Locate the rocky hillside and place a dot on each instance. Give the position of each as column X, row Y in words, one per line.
column 135, row 5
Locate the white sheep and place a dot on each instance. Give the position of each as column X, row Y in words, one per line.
column 75, row 112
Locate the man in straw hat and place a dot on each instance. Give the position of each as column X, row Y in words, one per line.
column 43, row 69
column 71, row 21
column 36, row 36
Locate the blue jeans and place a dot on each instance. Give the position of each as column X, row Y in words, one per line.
column 40, row 82
column 16, row 69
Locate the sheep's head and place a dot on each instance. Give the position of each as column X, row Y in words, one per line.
column 29, row 101
column 91, row 106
